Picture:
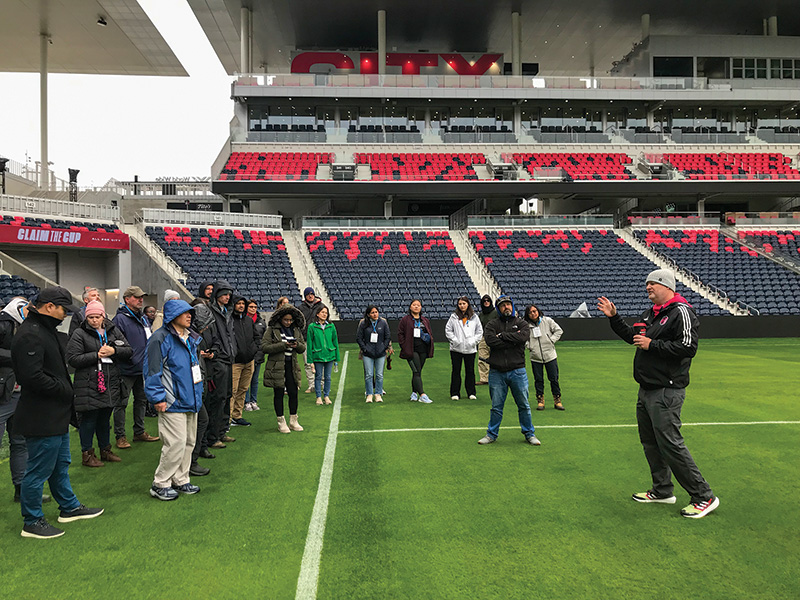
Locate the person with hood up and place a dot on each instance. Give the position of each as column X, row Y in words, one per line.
column 220, row 368
column 205, row 292
column 259, row 326
column 202, row 322
column 463, row 331
column 323, row 350
column 374, row 339
column 94, row 350
column 11, row 317
column 247, row 344
column 282, row 343
column 415, row 336
column 487, row 313
column 666, row 341
column 309, row 307
column 174, row 386
column 506, row 336
column 545, row 332
column 135, row 327
column 44, row 412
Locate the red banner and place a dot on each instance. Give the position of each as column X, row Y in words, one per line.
column 40, row 236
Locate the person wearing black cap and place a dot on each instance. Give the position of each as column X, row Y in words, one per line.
column 309, row 307
column 137, row 330
column 44, row 412
column 666, row 341
column 506, row 336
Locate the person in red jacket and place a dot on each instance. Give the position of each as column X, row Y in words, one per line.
column 416, row 346
column 666, row 341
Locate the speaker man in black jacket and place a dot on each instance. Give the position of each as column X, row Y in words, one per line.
column 44, row 412
column 666, row 340
column 506, row 336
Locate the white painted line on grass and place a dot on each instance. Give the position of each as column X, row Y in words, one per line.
column 309, row 568
column 599, row 426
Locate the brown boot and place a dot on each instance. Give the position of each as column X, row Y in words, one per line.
column 539, row 402
column 106, row 455
column 557, row 403
column 90, row 460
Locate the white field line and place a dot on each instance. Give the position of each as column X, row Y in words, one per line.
column 599, row 426
column 309, row 568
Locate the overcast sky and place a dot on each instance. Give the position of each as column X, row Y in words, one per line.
column 120, row 126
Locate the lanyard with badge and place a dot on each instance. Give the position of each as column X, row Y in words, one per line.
column 197, row 374
column 373, row 337
column 143, row 320
column 417, row 328
column 104, row 342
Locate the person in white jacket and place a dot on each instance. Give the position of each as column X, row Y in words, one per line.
column 464, row 331
column 545, row 332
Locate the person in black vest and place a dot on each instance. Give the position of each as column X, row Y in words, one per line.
column 136, row 329
column 94, row 351
column 43, row 414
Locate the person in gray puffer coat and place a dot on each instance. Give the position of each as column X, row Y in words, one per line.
column 93, row 351
column 545, row 332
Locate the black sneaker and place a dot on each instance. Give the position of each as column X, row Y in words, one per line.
column 42, row 530
column 207, row 454
column 240, row 422
column 196, row 470
column 79, row 513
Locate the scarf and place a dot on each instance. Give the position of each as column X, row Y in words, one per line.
column 676, row 298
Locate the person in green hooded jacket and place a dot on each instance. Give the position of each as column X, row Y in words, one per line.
column 323, row 351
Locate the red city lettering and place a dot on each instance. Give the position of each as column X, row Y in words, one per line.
column 410, row 62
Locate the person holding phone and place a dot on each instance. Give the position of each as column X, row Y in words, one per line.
column 416, row 346
column 545, row 332
column 282, row 343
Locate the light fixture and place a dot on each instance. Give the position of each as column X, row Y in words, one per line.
column 101, row 20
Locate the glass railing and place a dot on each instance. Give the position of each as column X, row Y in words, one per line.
column 375, row 222
column 539, row 220
column 58, row 208
column 472, row 81
column 162, row 216
column 762, row 218
column 709, row 218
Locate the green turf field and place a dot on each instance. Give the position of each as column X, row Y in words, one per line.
column 427, row 513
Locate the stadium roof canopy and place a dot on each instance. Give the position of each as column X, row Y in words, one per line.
column 564, row 38
column 128, row 44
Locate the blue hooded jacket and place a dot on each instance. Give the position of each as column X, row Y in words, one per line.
column 168, row 364
column 133, row 328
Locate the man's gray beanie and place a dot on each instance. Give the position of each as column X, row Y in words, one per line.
column 663, row 276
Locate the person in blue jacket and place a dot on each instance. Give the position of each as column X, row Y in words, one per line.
column 173, row 383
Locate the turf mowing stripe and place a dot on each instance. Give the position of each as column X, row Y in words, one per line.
column 309, row 568
column 610, row 426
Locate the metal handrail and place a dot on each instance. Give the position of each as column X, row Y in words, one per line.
column 49, row 208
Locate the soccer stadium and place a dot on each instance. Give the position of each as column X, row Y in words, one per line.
column 554, row 155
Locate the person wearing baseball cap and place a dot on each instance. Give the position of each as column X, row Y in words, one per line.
column 44, row 412
column 137, row 330
column 666, row 340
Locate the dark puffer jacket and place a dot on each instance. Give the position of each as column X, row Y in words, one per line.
column 82, row 356
column 245, row 333
column 274, row 347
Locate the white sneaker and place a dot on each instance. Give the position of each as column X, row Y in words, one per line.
column 255, row 406
column 486, row 440
column 473, row 397
column 453, row 397
column 425, row 400
column 248, row 407
column 414, row 397
column 378, row 398
column 369, row 398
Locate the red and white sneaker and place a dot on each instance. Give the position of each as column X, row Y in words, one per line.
column 698, row 510
column 649, row 496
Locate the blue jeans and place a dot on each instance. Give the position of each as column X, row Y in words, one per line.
column 373, row 367
column 499, row 382
column 323, row 370
column 48, row 460
column 252, row 393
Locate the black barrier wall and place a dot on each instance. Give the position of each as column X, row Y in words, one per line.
column 599, row 329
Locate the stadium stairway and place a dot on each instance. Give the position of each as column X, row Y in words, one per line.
column 682, row 275
column 305, row 271
column 785, row 260
column 174, row 275
column 481, row 277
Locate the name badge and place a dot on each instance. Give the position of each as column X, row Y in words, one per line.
column 147, row 333
column 106, row 360
column 373, row 338
column 417, row 332
column 197, row 375
column 537, row 332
